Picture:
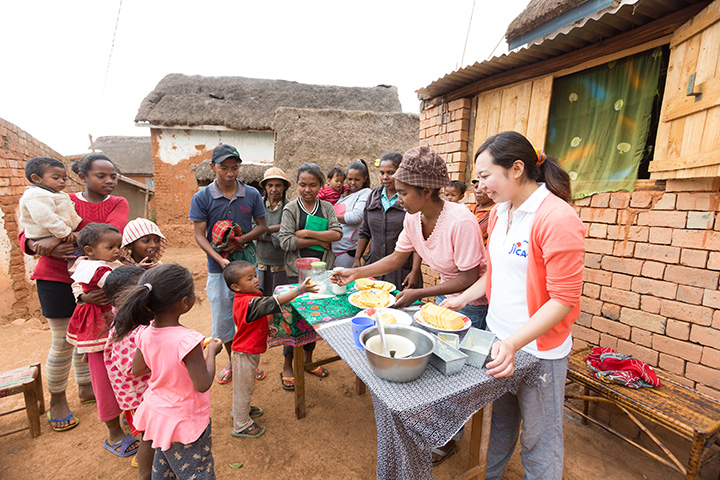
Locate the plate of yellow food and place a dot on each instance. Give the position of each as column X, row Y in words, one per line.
column 372, row 298
column 389, row 316
column 370, row 283
column 440, row 319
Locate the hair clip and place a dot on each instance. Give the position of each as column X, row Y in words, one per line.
column 541, row 157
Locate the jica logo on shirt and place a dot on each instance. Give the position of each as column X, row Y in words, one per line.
column 519, row 249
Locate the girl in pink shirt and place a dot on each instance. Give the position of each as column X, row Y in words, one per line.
column 175, row 411
column 536, row 249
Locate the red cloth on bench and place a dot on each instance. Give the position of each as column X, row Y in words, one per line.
column 613, row 367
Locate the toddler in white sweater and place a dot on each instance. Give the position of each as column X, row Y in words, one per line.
column 45, row 210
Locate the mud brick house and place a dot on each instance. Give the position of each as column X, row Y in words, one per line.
column 188, row 116
column 625, row 93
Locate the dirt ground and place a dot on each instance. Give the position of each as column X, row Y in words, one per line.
column 337, row 439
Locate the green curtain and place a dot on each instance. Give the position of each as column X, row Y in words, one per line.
column 599, row 122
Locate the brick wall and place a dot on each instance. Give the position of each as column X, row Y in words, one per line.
column 445, row 128
column 652, row 266
column 17, row 296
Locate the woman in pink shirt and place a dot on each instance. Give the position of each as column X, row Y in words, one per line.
column 535, row 261
column 445, row 234
column 447, row 237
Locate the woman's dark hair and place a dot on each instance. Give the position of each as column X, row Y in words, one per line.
column 393, row 157
column 119, row 279
column 362, row 167
column 507, row 147
column 312, row 169
column 93, row 232
column 157, row 291
column 39, row 165
column 335, row 171
column 85, row 163
column 462, row 188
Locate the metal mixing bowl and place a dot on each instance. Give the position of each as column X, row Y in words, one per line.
column 400, row 369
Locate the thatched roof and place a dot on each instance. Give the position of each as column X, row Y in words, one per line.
column 537, row 13
column 243, row 103
column 337, row 137
column 132, row 155
column 250, row 174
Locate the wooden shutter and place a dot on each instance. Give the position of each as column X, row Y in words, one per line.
column 688, row 137
column 522, row 107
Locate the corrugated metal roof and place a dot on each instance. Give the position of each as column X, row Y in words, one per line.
column 604, row 24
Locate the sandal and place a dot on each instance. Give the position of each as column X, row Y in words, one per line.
column 69, row 418
column 443, row 455
column 253, row 431
column 124, row 448
column 225, row 376
column 259, row 374
column 255, row 412
column 321, row 372
column 290, row 385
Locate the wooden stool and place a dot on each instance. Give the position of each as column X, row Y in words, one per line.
column 28, row 381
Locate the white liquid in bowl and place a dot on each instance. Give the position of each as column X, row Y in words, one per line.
column 403, row 347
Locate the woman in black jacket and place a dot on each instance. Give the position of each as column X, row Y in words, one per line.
column 382, row 223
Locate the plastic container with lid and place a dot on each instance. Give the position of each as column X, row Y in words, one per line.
column 304, row 266
column 319, row 276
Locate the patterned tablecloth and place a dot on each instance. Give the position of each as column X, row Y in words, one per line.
column 414, row 417
column 295, row 323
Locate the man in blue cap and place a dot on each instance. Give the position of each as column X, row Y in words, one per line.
column 226, row 198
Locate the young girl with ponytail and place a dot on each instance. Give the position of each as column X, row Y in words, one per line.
column 533, row 283
column 175, row 411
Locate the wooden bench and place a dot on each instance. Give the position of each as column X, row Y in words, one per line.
column 687, row 412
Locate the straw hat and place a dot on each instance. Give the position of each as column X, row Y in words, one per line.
column 275, row 173
column 422, row 167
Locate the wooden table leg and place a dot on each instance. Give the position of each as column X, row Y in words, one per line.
column 479, row 442
column 299, row 372
column 359, row 386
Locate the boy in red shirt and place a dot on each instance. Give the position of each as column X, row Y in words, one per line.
column 251, row 314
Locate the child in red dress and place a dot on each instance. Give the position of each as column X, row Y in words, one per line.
column 89, row 326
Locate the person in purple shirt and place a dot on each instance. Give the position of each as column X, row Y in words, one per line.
column 226, row 198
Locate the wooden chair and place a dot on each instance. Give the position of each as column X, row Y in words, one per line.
column 28, row 381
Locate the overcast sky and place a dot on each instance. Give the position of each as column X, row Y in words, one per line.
column 56, row 85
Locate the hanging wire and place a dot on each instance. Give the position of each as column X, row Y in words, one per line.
column 467, row 36
column 502, row 37
column 107, row 69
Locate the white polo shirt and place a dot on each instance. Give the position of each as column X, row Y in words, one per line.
column 508, row 250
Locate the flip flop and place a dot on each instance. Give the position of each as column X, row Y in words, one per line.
column 66, row 419
column 261, row 376
column 444, row 456
column 134, row 463
column 246, row 433
column 122, row 448
column 255, row 412
column 88, row 401
column 225, row 376
column 321, row 372
column 291, row 380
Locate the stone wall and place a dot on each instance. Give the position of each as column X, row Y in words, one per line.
column 17, row 297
